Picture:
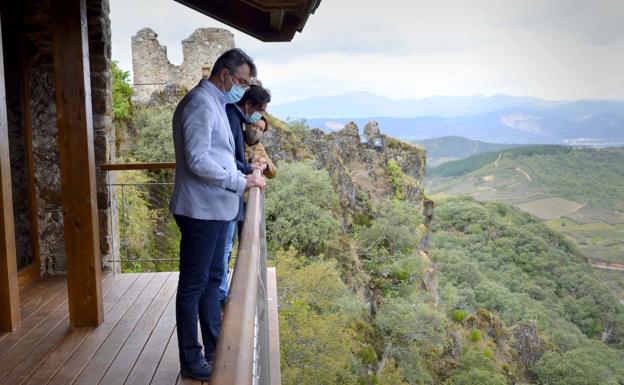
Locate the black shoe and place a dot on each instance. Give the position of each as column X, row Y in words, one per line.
column 200, row 372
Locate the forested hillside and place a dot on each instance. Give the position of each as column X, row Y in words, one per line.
column 377, row 287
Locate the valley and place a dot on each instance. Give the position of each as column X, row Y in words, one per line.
column 578, row 192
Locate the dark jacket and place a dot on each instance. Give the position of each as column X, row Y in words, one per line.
column 236, row 119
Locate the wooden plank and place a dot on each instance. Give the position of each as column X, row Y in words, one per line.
column 99, row 364
column 56, row 359
column 169, row 365
column 11, row 339
column 9, row 288
column 137, row 166
column 77, row 161
column 122, row 365
column 29, row 274
column 18, row 363
column 147, row 363
column 72, row 368
column 34, row 290
column 15, row 338
column 188, row 381
column 274, row 346
column 42, row 298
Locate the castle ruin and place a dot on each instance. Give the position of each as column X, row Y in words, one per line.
column 152, row 70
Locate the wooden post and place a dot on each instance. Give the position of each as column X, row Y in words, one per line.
column 9, row 292
column 77, row 161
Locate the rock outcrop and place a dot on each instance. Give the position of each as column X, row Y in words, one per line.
column 359, row 169
column 528, row 342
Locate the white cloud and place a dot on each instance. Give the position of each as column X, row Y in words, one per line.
column 554, row 49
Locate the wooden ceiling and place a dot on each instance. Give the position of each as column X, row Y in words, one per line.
column 266, row 20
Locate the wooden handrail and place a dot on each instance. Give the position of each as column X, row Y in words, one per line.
column 137, row 166
column 235, row 348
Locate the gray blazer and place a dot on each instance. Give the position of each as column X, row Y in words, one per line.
column 207, row 183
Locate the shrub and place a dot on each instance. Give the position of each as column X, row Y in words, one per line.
column 300, row 209
column 459, row 315
column 475, row 335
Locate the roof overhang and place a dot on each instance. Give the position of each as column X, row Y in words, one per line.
column 266, row 20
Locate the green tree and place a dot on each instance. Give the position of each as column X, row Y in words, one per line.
column 593, row 364
column 475, row 368
column 122, row 91
column 300, row 209
column 318, row 315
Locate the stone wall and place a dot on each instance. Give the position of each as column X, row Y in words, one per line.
column 101, row 101
column 152, row 70
column 30, row 80
column 42, row 109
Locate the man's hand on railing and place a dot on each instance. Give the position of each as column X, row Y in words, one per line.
column 255, row 180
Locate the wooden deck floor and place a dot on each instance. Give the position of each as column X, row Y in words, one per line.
column 136, row 344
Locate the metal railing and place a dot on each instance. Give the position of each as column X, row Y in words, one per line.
column 245, row 352
column 143, row 232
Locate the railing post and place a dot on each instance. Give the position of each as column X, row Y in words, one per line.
column 111, row 213
column 124, row 241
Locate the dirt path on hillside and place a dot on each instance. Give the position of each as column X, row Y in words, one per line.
column 606, row 265
column 497, row 159
column 524, row 172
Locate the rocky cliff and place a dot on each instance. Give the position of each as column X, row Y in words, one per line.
column 365, row 169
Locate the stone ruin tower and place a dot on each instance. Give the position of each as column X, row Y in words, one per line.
column 152, row 70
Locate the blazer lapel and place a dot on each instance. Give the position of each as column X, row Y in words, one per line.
column 226, row 124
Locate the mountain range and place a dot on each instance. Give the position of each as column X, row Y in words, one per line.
column 498, row 118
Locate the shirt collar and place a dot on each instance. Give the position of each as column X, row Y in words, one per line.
column 240, row 110
column 207, row 85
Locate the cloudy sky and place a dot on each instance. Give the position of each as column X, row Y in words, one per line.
column 553, row 49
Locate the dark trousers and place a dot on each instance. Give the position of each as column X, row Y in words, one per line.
column 201, row 269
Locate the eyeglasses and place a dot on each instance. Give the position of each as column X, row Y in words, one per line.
column 241, row 82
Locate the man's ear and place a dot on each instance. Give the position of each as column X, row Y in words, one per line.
column 223, row 75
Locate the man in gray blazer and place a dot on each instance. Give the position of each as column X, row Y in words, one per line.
column 205, row 198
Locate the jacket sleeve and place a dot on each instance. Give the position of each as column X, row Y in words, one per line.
column 260, row 152
column 198, row 124
column 235, row 124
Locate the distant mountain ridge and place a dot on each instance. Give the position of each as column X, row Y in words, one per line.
column 495, row 119
column 458, row 147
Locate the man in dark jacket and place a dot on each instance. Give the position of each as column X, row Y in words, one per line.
column 248, row 110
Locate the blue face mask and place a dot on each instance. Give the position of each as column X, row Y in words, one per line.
column 253, row 117
column 235, row 94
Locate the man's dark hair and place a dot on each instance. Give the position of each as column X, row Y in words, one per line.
column 257, row 95
column 233, row 59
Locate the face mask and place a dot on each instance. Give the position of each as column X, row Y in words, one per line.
column 253, row 117
column 252, row 135
column 235, row 94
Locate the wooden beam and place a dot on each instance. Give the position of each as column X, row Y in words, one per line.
column 9, row 291
column 277, row 19
column 33, row 272
column 77, row 161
